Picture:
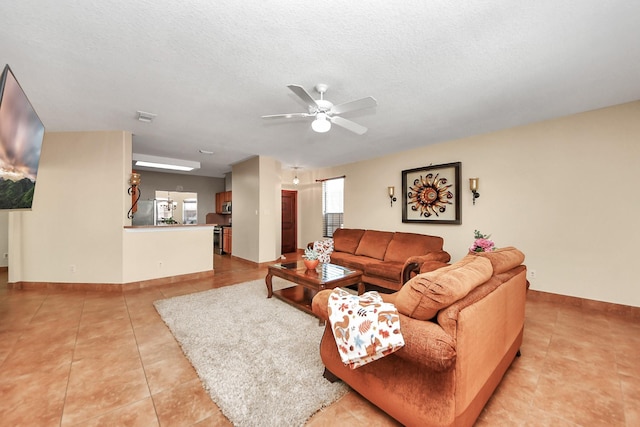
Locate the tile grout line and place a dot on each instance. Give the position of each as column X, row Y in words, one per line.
column 73, row 353
column 146, row 378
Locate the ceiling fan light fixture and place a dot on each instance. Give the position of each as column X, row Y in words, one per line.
column 321, row 124
column 296, row 180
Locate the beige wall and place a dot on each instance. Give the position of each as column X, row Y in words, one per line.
column 257, row 210
column 4, row 238
column 270, row 209
column 246, row 205
column 151, row 253
column 563, row 191
column 73, row 234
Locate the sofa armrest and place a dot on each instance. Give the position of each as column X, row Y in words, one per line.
column 426, row 343
column 320, row 303
column 442, row 256
column 414, row 265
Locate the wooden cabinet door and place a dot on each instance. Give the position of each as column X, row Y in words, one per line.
column 219, row 197
column 226, row 243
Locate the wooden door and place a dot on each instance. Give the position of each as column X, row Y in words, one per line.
column 289, row 221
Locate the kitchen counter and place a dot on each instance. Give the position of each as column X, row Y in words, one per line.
column 170, row 226
column 153, row 252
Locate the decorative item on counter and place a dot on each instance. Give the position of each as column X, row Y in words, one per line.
column 482, row 243
column 310, row 258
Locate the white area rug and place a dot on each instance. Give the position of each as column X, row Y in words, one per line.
column 258, row 358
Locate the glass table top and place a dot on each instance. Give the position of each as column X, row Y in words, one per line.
column 326, row 272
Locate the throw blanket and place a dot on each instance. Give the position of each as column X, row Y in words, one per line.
column 365, row 328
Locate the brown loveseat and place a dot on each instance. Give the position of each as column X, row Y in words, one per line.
column 387, row 259
column 462, row 325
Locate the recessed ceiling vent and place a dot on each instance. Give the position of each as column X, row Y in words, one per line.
column 146, row 117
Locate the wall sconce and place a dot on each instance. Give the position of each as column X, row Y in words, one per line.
column 135, row 193
column 392, row 191
column 473, row 186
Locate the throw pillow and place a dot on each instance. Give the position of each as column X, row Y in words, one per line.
column 427, row 293
column 374, row 244
column 346, row 239
column 503, row 259
column 324, row 248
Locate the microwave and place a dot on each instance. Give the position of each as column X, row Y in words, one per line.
column 226, row 208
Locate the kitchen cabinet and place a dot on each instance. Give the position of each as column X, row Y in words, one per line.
column 221, row 199
column 226, row 241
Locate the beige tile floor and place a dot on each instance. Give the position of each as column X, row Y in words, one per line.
column 91, row 358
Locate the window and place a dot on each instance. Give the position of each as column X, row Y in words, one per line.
column 164, row 211
column 332, row 205
column 190, row 211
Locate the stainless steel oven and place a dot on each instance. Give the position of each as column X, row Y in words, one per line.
column 218, row 237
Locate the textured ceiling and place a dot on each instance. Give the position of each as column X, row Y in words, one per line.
column 439, row 70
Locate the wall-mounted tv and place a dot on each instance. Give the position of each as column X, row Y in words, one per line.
column 21, row 134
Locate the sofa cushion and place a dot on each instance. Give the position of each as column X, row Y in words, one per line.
column 346, row 239
column 427, row 293
column 503, row 259
column 390, row 270
column 405, row 245
column 374, row 243
column 349, row 260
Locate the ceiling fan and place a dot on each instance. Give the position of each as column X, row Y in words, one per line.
column 324, row 112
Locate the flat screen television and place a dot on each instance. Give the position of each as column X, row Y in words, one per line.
column 21, row 134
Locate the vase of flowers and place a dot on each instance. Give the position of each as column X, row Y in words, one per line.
column 481, row 243
column 310, row 258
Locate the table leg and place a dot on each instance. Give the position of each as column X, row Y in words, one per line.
column 360, row 288
column 269, row 285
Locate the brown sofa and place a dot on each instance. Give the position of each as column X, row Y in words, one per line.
column 462, row 325
column 387, row 259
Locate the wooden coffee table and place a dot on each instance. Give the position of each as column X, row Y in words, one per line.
column 310, row 282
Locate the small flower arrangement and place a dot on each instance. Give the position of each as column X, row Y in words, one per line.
column 482, row 243
column 310, row 254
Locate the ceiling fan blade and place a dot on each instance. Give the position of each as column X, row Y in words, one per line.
column 304, row 95
column 287, row 116
column 348, row 124
column 358, row 104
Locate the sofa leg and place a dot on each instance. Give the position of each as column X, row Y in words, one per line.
column 330, row 376
column 518, row 354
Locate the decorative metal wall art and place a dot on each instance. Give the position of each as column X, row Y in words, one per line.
column 431, row 194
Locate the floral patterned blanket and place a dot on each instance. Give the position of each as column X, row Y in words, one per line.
column 365, row 328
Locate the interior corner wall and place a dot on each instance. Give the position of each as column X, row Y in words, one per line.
column 4, row 238
column 74, row 233
column 270, row 209
column 246, row 205
column 561, row 190
column 257, row 209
